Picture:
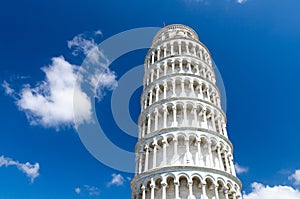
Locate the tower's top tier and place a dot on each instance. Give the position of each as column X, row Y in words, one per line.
column 174, row 31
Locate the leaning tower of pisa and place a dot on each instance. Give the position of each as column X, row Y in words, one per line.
column 183, row 150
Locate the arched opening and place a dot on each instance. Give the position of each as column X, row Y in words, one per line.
column 181, row 149
column 170, row 150
column 148, row 190
column 170, row 191
column 158, row 189
column 221, row 189
column 210, row 188
column 197, row 187
column 183, row 187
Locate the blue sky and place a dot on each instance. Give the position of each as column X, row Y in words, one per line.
column 254, row 43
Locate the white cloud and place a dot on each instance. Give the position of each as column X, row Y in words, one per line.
column 98, row 32
column 103, row 80
column 7, row 89
column 50, row 102
column 77, row 190
column 88, row 47
column 92, row 190
column 205, row 2
column 239, row 169
column 260, row 191
column 103, row 77
column 295, row 177
column 88, row 189
column 31, row 170
column 241, row 1
column 117, row 179
column 208, row 2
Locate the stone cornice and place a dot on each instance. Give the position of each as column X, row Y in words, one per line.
column 172, row 27
column 172, row 99
column 175, row 39
column 146, row 88
column 169, row 169
column 182, row 129
column 187, row 56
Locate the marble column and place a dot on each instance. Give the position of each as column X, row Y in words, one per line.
column 143, row 192
column 182, row 88
column 164, row 186
column 196, row 123
column 156, row 119
column 226, row 161
column 184, row 123
column 174, row 87
column 165, row 90
column 152, row 57
column 187, row 48
column 158, row 54
column 192, row 93
column 165, row 109
column 176, row 190
column 149, row 124
column 140, row 161
column 216, row 192
column 226, row 194
column 204, row 118
column 174, row 116
column 179, row 48
column 157, row 92
column 150, row 100
column 190, row 184
column 199, row 152
column 164, row 152
column 204, row 195
column 232, row 165
column 146, row 158
column 157, row 72
column 219, row 125
column 200, row 91
column 152, row 186
column 154, row 154
column 175, row 147
column 213, row 122
column 220, row 158
column 210, row 154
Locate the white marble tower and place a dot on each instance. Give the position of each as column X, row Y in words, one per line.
column 183, row 151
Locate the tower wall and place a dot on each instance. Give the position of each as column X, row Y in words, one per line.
column 183, row 151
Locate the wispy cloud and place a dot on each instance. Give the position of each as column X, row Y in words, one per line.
column 88, row 189
column 209, row 2
column 98, row 32
column 239, row 169
column 205, row 2
column 86, row 45
column 77, row 190
column 241, row 1
column 50, row 102
column 31, row 170
column 117, row 179
column 92, row 190
column 7, row 89
column 102, row 78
